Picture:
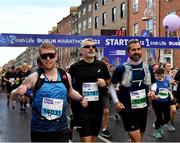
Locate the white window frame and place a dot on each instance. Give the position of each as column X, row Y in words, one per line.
column 79, row 27
column 114, row 14
column 123, row 10
column 89, row 22
column 89, row 7
column 96, row 22
column 84, row 25
column 135, row 29
column 135, row 5
column 104, row 19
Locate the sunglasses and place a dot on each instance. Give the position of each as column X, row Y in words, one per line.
column 89, row 46
column 50, row 55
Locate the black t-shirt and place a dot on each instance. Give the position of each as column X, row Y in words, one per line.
column 82, row 72
column 21, row 75
column 11, row 76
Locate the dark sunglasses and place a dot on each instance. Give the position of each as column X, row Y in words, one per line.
column 89, row 46
column 50, row 55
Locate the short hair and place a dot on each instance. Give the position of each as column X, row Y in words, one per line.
column 131, row 42
column 12, row 67
column 87, row 39
column 47, row 46
column 164, row 65
column 160, row 71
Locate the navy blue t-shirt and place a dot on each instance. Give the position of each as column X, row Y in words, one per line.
column 124, row 92
column 162, row 85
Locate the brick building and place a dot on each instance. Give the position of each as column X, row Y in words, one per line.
column 133, row 16
column 153, row 22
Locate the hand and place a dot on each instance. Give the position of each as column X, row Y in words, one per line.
column 84, row 101
column 119, row 106
column 152, row 95
column 101, row 82
column 22, row 89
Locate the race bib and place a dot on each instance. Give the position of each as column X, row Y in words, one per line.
column 163, row 93
column 138, row 99
column 90, row 91
column 51, row 108
column 11, row 79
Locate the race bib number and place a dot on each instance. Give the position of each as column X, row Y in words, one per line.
column 138, row 99
column 52, row 108
column 163, row 93
column 90, row 91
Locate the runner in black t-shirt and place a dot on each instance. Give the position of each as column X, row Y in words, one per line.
column 11, row 80
column 22, row 74
column 89, row 77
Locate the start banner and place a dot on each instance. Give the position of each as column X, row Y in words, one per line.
column 35, row 40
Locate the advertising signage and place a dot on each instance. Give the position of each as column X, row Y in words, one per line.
column 34, row 40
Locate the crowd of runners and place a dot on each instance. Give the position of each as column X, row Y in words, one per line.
column 89, row 86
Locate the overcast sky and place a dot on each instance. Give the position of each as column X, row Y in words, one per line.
column 30, row 17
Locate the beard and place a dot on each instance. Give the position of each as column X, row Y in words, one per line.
column 135, row 57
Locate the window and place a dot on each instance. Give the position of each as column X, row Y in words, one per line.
column 84, row 11
column 150, row 3
column 73, row 32
column 96, row 6
column 84, row 25
column 135, row 28
column 135, row 5
column 172, row 12
column 89, row 7
column 96, row 22
column 114, row 14
column 104, row 2
column 104, row 20
column 149, row 26
column 122, row 10
column 89, row 22
column 75, row 28
column 79, row 28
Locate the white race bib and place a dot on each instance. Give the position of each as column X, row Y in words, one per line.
column 51, row 108
column 163, row 93
column 138, row 99
column 90, row 91
column 11, row 79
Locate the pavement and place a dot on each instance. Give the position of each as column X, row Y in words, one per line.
column 15, row 126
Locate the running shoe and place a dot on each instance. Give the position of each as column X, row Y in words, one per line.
column 170, row 126
column 160, row 129
column 105, row 133
column 157, row 134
